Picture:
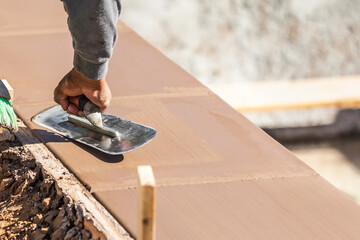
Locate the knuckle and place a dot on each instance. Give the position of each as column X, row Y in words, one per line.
column 106, row 104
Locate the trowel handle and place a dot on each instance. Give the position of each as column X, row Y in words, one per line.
column 79, row 101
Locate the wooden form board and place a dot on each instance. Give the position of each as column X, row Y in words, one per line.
column 338, row 91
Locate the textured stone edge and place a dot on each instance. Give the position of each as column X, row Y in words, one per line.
column 97, row 219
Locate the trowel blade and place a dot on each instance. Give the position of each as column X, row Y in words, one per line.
column 133, row 135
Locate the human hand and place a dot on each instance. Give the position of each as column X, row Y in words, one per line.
column 75, row 84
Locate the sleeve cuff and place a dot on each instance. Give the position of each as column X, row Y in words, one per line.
column 90, row 70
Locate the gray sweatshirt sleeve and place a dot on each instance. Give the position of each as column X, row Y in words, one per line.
column 92, row 24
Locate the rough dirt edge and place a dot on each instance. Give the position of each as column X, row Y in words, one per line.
column 95, row 219
column 31, row 204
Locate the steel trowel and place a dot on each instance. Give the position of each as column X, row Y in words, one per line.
column 104, row 132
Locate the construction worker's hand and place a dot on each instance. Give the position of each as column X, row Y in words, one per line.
column 76, row 84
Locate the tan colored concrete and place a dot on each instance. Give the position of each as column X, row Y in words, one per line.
column 215, row 170
column 29, row 18
column 191, row 129
column 183, row 147
column 290, row 208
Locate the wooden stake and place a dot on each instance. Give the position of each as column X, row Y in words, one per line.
column 146, row 209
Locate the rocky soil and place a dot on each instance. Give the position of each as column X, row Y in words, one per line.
column 31, row 204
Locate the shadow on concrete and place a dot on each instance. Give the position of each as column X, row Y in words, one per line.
column 48, row 137
column 99, row 154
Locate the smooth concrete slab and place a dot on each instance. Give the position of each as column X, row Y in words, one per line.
column 38, row 62
column 206, row 155
column 19, row 18
column 185, row 148
column 34, row 64
column 196, row 129
column 291, row 208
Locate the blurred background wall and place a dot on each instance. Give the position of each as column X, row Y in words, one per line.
column 241, row 40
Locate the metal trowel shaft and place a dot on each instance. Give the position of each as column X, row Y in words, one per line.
column 82, row 122
column 92, row 112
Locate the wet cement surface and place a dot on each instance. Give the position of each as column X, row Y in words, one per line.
column 291, row 208
column 217, row 173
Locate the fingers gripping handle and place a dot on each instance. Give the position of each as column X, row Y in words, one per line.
column 79, row 101
column 84, row 104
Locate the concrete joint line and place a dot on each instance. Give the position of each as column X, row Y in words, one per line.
column 117, row 100
column 29, row 32
column 210, row 180
column 100, row 221
column 190, row 93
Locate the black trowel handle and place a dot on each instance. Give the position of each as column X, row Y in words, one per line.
column 82, row 101
column 79, row 101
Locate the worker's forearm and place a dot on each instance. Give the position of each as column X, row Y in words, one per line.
column 92, row 24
